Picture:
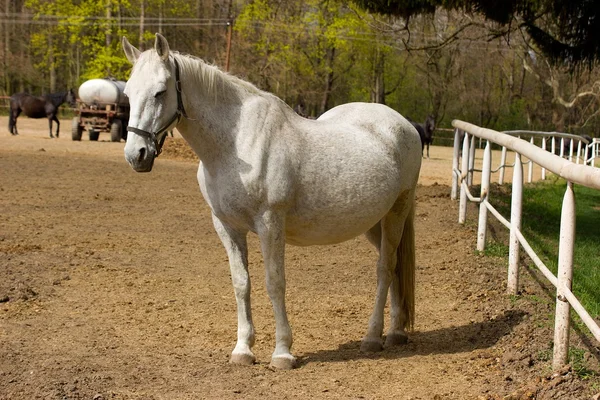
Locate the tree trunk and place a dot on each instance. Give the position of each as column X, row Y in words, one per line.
column 378, row 90
column 328, row 81
column 558, row 118
column 52, row 63
column 108, row 34
column 160, row 18
column 108, row 23
column 6, row 50
column 142, row 17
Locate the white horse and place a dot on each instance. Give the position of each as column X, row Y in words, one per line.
column 288, row 179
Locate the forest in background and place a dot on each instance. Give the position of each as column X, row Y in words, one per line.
column 314, row 54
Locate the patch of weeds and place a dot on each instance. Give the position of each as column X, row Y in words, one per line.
column 545, row 355
column 495, row 249
column 579, row 365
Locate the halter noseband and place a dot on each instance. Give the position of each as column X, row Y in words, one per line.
column 160, row 136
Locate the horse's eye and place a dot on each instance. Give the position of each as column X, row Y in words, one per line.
column 159, row 94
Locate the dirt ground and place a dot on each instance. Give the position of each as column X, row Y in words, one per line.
column 113, row 285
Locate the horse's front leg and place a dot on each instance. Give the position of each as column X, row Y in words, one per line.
column 55, row 118
column 50, row 127
column 237, row 251
column 271, row 230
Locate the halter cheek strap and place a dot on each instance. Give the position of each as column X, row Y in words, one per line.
column 159, row 137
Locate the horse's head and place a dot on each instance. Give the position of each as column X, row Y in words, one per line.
column 154, row 102
column 71, row 98
column 430, row 125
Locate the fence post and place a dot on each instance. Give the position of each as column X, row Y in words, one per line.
column 455, row 157
column 565, row 278
column 543, row 148
column 485, row 187
column 471, row 161
column 530, row 171
column 571, row 150
column 515, row 225
column 502, row 166
column 462, row 205
column 585, row 154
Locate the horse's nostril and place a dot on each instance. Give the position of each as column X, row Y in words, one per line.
column 142, row 155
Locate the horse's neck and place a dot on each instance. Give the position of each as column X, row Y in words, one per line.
column 217, row 115
column 57, row 98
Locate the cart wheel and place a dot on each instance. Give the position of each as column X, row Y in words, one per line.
column 116, row 129
column 76, row 129
column 94, row 135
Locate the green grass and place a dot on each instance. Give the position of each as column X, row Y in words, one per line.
column 496, row 249
column 540, row 225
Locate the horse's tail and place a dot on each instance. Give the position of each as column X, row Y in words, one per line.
column 405, row 270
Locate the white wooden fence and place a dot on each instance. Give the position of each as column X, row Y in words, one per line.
column 463, row 167
column 593, row 152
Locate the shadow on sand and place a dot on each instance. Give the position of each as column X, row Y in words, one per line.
column 466, row 338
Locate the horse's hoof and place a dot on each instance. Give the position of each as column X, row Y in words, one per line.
column 242, row 358
column 283, row 362
column 396, row 339
column 371, row 345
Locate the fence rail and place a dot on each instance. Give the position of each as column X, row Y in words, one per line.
column 573, row 173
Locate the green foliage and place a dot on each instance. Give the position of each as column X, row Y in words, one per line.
column 108, row 62
column 319, row 53
column 569, row 38
column 307, row 39
column 79, row 43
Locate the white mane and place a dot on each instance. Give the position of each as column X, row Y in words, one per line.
column 211, row 78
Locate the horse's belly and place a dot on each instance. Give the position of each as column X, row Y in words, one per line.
column 35, row 114
column 322, row 235
column 334, row 225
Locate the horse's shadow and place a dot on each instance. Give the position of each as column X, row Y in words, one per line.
column 461, row 339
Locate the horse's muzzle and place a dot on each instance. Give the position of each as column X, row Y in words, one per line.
column 141, row 159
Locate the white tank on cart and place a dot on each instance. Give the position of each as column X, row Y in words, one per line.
column 103, row 91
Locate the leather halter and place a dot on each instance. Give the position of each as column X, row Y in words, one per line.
column 160, row 136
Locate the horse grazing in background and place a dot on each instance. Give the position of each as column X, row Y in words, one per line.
column 567, row 145
column 425, row 132
column 38, row 107
column 265, row 169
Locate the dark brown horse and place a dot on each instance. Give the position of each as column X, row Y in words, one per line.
column 425, row 131
column 38, row 107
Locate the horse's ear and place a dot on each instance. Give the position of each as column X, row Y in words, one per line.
column 131, row 52
column 162, row 47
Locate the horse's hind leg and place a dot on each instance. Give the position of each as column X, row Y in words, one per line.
column 403, row 286
column 237, row 251
column 390, row 236
column 12, row 123
column 50, row 119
